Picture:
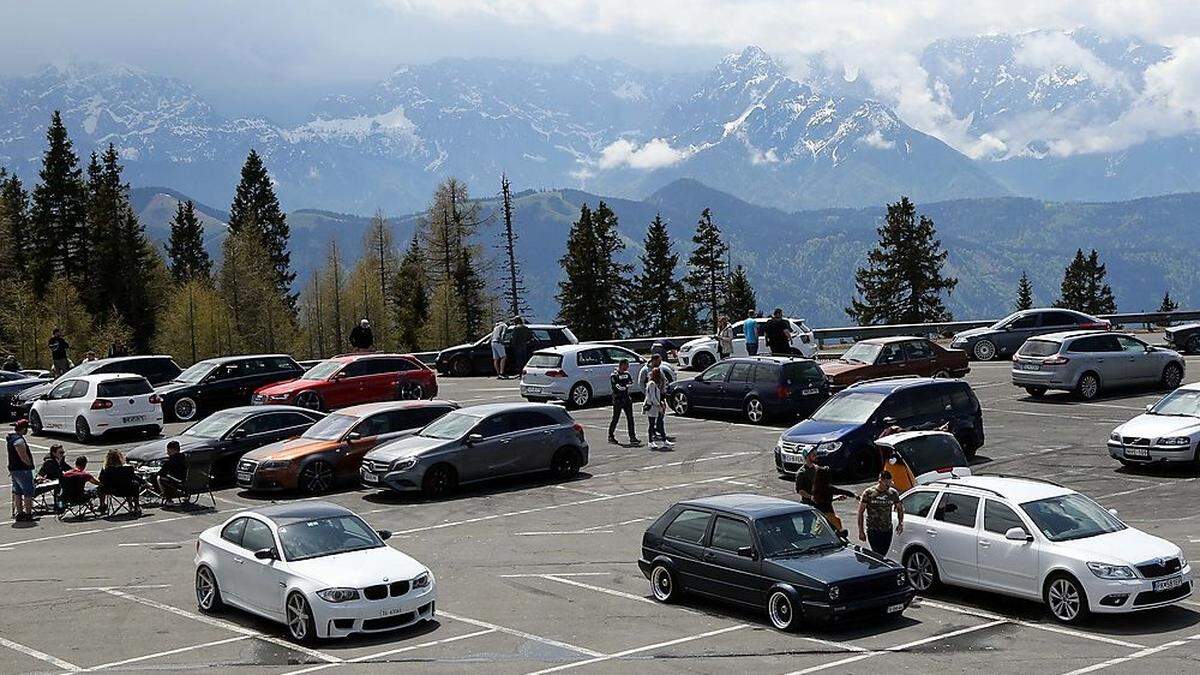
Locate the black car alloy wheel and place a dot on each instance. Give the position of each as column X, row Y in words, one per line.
column 185, row 409
column 984, row 350
column 679, row 403
column 781, row 611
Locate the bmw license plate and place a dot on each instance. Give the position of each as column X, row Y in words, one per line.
column 1031, row 366
column 1168, row 584
column 1137, row 453
column 129, row 419
column 892, row 609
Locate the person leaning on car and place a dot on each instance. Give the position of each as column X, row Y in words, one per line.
column 815, row 488
column 521, row 336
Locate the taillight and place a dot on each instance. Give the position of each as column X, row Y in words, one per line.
column 945, row 469
column 1055, row 361
column 556, row 373
column 783, row 391
column 579, row 430
column 155, row 399
column 101, row 404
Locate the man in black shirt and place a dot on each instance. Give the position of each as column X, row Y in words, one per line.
column 58, row 352
column 815, row 489
column 520, row 336
column 622, row 402
column 779, row 334
column 362, row 338
column 172, row 472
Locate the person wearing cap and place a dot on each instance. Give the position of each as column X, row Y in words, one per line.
column 20, row 469
column 361, row 336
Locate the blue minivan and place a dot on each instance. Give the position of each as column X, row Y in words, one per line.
column 844, row 429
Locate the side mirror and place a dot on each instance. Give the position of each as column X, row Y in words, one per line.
column 353, row 436
column 1017, row 534
column 889, row 421
column 472, row 439
column 238, row 433
column 746, row 552
column 266, row 554
column 892, row 460
column 844, row 535
column 1149, row 348
column 1149, row 407
column 44, row 397
column 384, row 534
column 1113, row 511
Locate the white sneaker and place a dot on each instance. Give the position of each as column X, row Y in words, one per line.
column 654, row 445
column 668, row 444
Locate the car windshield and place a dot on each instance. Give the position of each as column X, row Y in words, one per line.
column 215, row 425
column 854, row 407
column 923, row 454
column 330, row 428
column 323, row 370
column 80, row 370
column 326, row 536
column 450, row 426
column 1179, row 403
column 861, row 353
column 1071, row 516
column 194, row 374
column 796, row 533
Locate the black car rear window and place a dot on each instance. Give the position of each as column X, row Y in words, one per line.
column 803, row 372
column 130, row 387
column 1038, row 348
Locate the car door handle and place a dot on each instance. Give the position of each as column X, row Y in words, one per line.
column 932, row 533
column 709, row 556
column 984, row 544
column 238, row 561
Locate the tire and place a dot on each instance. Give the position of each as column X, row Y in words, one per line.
column 941, row 375
column 782, row 612
column 1036, row 392
column 1172, row 376
column 311, row 400
column 1192, row 346
column 662, row 584
column 756, row 413
column 703, row 360
column 565, row 464
column 680, row 404
column 410, row 391
column 921, row 570
column 316, row 478
column 185, row 409
column 208, row 592
column 968, row 444
column 460, row 366
column 580, row 395
column 298, row 616
column 83, row 432
column 1065, row 598
column 984, row 350
column 35, row 423
column 1088, row 386
column 438, row 481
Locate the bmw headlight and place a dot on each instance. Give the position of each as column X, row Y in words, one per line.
column 834, row 592
column 404, row 464
column 1175, row 440
column 421, row 581
column 1106, row 571
column 273, row 464
column 338, row 594
column 824, row 448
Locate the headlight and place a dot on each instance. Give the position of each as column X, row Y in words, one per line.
column 421, row 581
column 1114, row 436
column 272, row 464
column 152, row 463
column 338, row 594
column 1106, row 571
column 279, row 397
column 823, row 448
column 404, row 464
column 1175, row 440
column 834, row 592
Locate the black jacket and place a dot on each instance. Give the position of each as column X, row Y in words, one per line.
column 621, row 382
column 361, row 338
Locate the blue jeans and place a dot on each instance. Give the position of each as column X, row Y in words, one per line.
column 655, row 429
column 752, row 348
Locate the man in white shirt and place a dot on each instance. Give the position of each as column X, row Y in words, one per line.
column 498, row 353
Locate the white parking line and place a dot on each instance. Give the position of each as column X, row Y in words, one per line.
column 600, row 589
column 1146, row 487
column 1149, row 651
column 901, row 647
column 125, row 588
column 169, row 652
column 392, row 652
column 638, row 650
column 559, row 574
column 568, row 488
column 595, row 529
column 1029, row 624
column 652, row 467
column 521, row 634
column 41, row 656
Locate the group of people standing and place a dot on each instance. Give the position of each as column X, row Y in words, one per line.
column 653, row 379
column 875, row 504
column 60, row 354
column 777, row 331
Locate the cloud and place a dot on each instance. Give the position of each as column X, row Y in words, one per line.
column 876, row 140
column 1047, row 51
column 654, row 154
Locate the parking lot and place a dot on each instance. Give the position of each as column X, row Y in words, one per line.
column 539, row 577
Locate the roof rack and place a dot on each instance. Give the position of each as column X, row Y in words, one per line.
column 873, row 380
column 1028, row 478
column 954, row 483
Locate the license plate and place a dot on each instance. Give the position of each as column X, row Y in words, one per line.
column 133, row 418
column 368, row 477
column 810, row 391
column 1031, row 366
column 892, row 609
column 244, row 476
column 790, row 456
column 533, row 390
column 1168, row 584
column 1141, row 453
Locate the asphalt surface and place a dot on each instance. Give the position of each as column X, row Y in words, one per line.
column 535, row 576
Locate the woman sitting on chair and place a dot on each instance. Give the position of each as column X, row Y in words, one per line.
column 117, row 480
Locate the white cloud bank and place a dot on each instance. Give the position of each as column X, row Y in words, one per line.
column 656, row 153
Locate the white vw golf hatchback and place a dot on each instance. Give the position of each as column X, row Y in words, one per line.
column 93, row 405
column 313, row 566
column 1036, row 540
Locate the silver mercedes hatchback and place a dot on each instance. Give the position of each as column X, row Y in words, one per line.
column 1089, row 362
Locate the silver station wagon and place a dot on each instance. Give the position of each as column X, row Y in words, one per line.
column 1089, row 362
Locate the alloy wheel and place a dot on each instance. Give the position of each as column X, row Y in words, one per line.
column 411, row 391
column 206, row 589
column 1064, row 600
column 662, row 584
column 82, row 431
column 941, row 375
column 1089, row 387
column 919, row 569
column 755, row 411
column 317, row 478
column 679, row 403
column 985, row 350
column 1172, row 377
column 297, row 617
column 779, row 610
column 309, row 399
column 565, row 464
column 1193, row 345
column 580, row 395
column 185, row 409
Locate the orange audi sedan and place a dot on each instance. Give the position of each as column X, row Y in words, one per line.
column 330, row 451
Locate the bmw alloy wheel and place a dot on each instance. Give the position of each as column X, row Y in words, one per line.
column 207, row 596
column 299, row 619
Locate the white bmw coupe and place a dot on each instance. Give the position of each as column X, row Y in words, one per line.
column 315, row 567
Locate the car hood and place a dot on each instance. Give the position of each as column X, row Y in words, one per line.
column 972, row 333
column 293, row 448
column 358, row 569
column 157, row 449
column 1182, row 327
column 35, row 391
column 411, row 446
column 833, row 369
column 697, row 343
column 455, row 348
column 1155, row 426
column 289, row 387
column 14, row 386
column 831, row 567
column 1126, row 547
column 171, row 387
column 814, row 431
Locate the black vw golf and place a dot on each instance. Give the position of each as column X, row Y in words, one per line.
column 772, row 554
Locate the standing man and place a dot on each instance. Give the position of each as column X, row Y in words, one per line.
column 655, row 363
column 58, row 352
column 815, row 488
column 750, row 329
column 877, row 503
column 779, row 334
column 498, row 354
column 724, row 337
column 362, row 338
column 622, row 402
column 521, row 336
column 20, row 468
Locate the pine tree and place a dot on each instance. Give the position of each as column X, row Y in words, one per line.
column 260, row 316
column 514, row 286
column 707, row 275
column 192, row 325
column 185, row 249
column 903, row 281
column 57, row 223
column 333, row 279
column 739, row 296
column 14, row 228
column 1024, row 293
column 370, row 281
column 255, row 207
column 593, row 296
column 659, row 298
column 410, row 297
column 1084, row 288
column 1168, row 303
column 455, row 264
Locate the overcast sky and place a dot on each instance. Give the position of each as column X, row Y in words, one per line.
column 248, row 53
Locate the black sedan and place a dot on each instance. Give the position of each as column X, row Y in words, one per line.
column 216, row 384
column 771, row 554
column 225, row 436
column 11, row 384
column 759, row 387
column 475, row 358
column 1005, row 337
column 1185, row 338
